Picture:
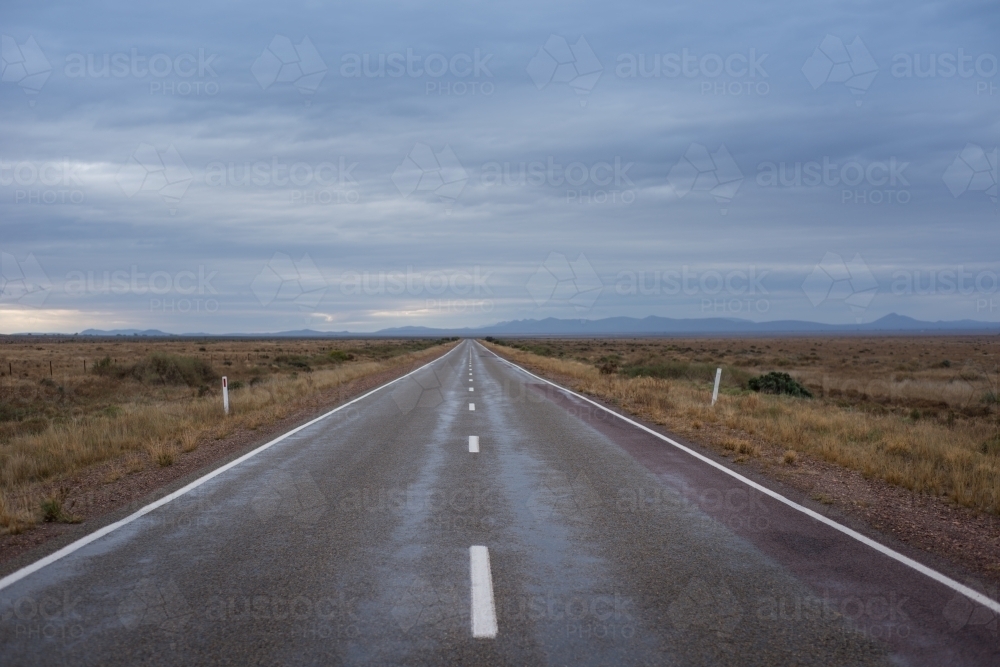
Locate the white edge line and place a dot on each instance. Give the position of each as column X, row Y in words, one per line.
column 27, row 570
column 891, row 553
column 484, row 615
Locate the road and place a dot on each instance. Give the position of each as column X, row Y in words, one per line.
column 470, row 513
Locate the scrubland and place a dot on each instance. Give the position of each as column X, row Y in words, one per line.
column 133, row 403
column 917, row 412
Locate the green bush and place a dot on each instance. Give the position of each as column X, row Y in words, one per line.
column 294, row 360
column 608, row 365
column 340, row 356
column 52, row 510
column 778, row 383
column 104, row 367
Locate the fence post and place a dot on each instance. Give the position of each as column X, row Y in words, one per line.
column 715, row 392
column 225, row 394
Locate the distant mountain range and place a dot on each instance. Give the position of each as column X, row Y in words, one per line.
column 124, row 332
column 620, row 326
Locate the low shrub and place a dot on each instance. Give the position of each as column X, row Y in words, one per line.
column 778, row 383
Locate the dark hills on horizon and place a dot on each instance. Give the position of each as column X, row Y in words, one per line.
column 617, row 326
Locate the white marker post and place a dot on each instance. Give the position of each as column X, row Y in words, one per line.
column 225, row 394
column 715, row 392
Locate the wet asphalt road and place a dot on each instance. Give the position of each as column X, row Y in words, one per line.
column 349, row 541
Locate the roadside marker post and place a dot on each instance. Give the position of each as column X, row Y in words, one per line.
column 715, row 392
column 225, row 394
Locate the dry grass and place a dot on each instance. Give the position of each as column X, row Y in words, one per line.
column 940, row 450
column 137, row 425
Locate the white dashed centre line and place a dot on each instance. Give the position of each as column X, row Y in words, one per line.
column 473, row 444
column 484, row 614
column 472, row 406
column 471, row 389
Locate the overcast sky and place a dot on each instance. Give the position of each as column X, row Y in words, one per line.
column 252, row 167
